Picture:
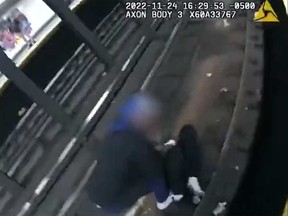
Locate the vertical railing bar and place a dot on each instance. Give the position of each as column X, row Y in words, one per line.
column 71, row 19
column 26, row 85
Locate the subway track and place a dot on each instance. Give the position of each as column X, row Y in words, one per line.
column 37, row 69
column 20, row 163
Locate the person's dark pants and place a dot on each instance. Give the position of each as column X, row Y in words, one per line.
column 183, row 161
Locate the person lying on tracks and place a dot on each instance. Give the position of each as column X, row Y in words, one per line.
column 183, row 165
column 128, row 166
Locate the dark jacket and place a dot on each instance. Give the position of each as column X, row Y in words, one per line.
column 128, row 168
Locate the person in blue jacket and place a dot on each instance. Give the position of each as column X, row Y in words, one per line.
column 128, row 165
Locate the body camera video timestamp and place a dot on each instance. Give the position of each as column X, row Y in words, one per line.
column 194, row 10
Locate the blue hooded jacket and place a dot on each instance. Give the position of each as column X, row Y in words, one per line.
column 125, row 115
column 155, row 184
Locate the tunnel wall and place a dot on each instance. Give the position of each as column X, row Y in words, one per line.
column 237, row 146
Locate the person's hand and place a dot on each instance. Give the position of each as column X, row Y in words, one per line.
column 170, row 142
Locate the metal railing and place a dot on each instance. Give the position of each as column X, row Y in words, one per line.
column 27, row 137
column 36, row 120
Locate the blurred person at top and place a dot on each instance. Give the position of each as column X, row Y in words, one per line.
column 7, row 38
column 128, row 166
column 22, row 26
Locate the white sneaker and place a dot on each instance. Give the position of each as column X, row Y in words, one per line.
column 177, row 198
column 196, row 200
column 194, row 186
column 165, row 204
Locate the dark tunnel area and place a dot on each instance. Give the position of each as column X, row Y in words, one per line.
column 264, row 188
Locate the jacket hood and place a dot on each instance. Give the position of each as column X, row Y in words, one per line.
column 135, row 107
column 124, row 116
column 139, row 106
